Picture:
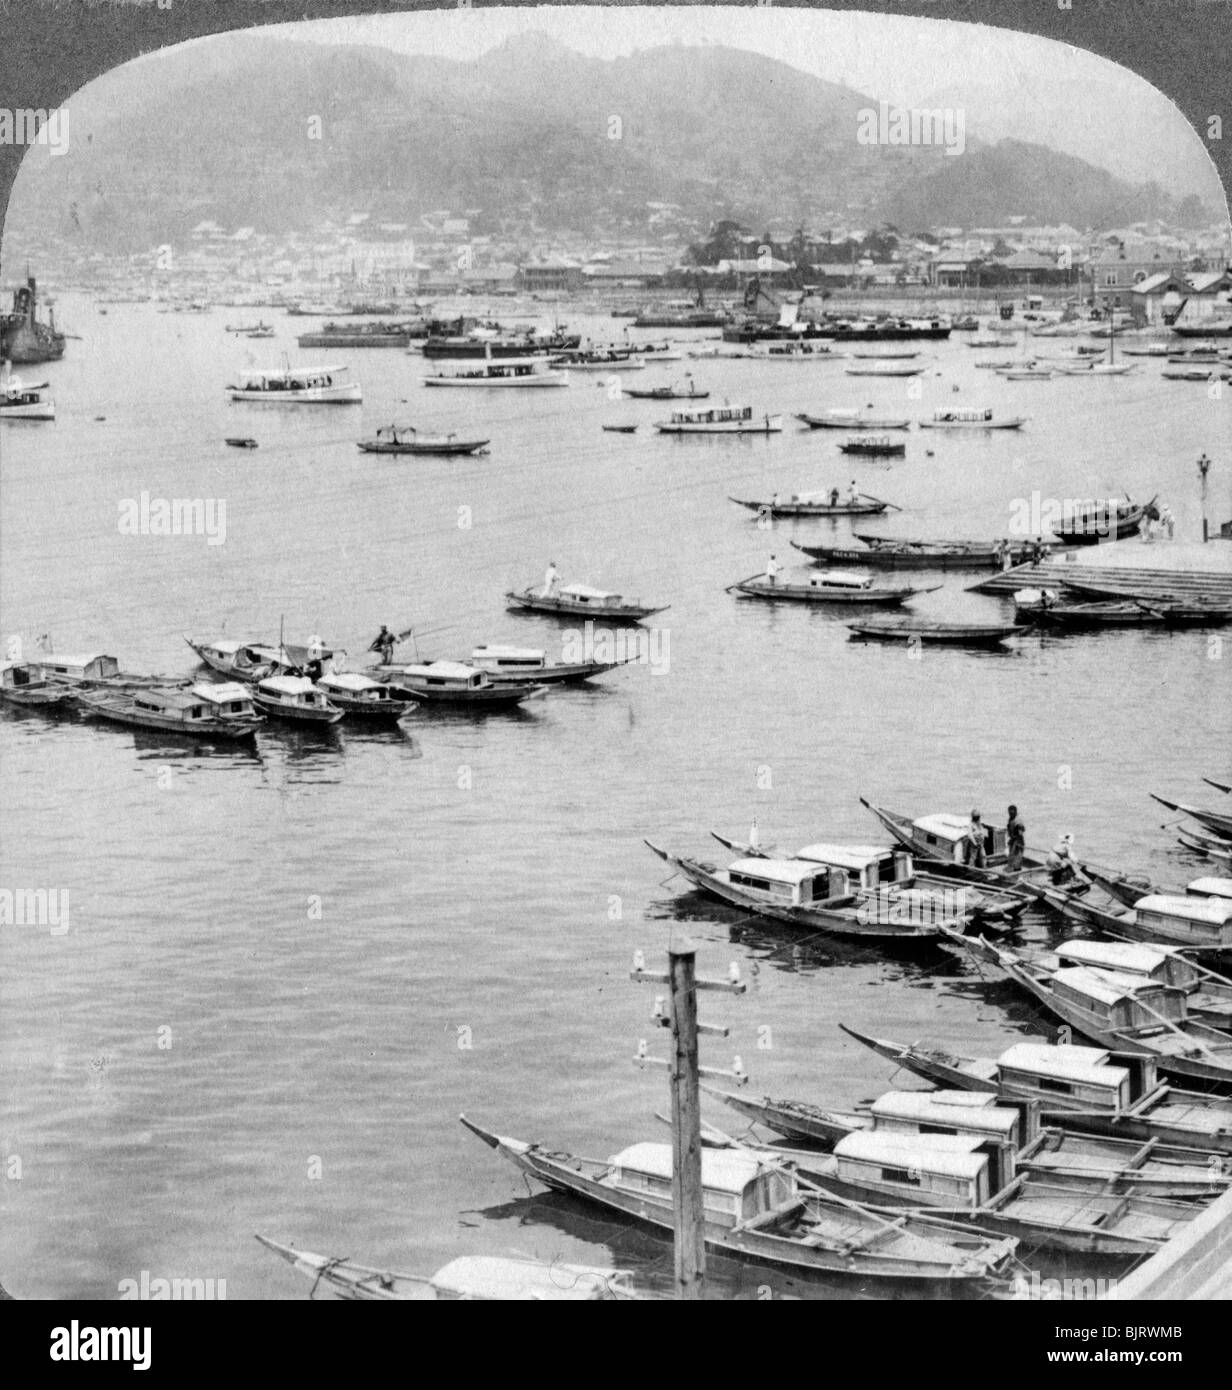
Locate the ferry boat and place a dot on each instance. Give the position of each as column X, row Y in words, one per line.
column 531, row 666
column 295, row 698
column 885, row 369
column 202, row 711
column 583, row 599
column 254, row 661
column 852, row 420
column 1093, row 1090
column 21, row 684
column 1067, row 1157
column 816, row 896
column 20, row 400
column 966, row 417
column 754, row 1209
column 301, row 385
column 722, row 419
column 509, row 372
column 455, row 683
column 359, row 696
column 599, row 360
column 406, row 439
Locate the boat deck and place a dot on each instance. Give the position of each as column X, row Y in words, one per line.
column 1160, row 570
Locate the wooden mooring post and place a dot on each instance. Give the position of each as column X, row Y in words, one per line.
column 685, row 1072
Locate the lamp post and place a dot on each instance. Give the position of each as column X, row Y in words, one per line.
column 1204, row 467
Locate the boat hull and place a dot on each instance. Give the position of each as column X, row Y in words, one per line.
column 574, row 608
column 848, row 1241
column 808, row 593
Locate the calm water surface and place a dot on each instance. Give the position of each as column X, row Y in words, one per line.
column 258, row 1018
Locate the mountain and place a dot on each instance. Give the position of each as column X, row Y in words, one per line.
column 277, row 134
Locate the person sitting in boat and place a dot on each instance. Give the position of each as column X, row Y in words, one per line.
column 1060, row 861
column 772, row 569
column 550, row 579
column 314, row 669
column 383, row 643
column 974, row 842
column 1015, row 840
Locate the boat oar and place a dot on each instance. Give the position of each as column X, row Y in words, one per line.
column 760, row 574
column 868, row 497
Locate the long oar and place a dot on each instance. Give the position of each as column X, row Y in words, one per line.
column 759, row 574
column 868, row 496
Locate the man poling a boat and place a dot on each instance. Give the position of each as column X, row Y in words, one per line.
column 1015, row 840
column 772, row 569
column 549, row 579
column 853, row 493
column 383, row 643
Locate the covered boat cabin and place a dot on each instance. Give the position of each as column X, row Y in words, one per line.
column 956, row 1112
column 292, row 692
column 1160, row 965
column 516, row 660
column 585, row 593
column 951, row 1170
column 76, row 669
column 351, row 685
column 945, row 836
column 962, row 414
column 1064, row 1076
column 867, row 866
column 839, row 579
column 228, row 700
column 790, row 882
column 287, row 379
column 736, row 1186
column 474, row 1278
column 716, row 415
column 1118, row 1002
column 441, row 675
column 1205, row 922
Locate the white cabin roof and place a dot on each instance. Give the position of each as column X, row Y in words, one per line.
column 1212, row 887
column 1102, row 986
column 221, row 694
column 495, row 650
column 1064, row 1059
column 780, row 870
column 945, row 825
column 846, row 856
column 350, row 680
column 840, row 579
column 950, row 1155
column 286, row 685
column 586, row 591
column 226, row 647
column 970, row 1109
column 442, row 670
column 723, row 1170
column 1113, row 955
column 1214, row 910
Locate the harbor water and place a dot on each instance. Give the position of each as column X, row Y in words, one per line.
column 284, row 972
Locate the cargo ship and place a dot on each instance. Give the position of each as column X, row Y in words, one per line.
column 24, row 337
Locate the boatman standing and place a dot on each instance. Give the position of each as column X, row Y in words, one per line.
column 834, row 497
column 1061, row 866
column 549, row 579
column 1015, row 840
column 975, row 842
column 383, row 644
column 853, row 495
column 772, row 569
